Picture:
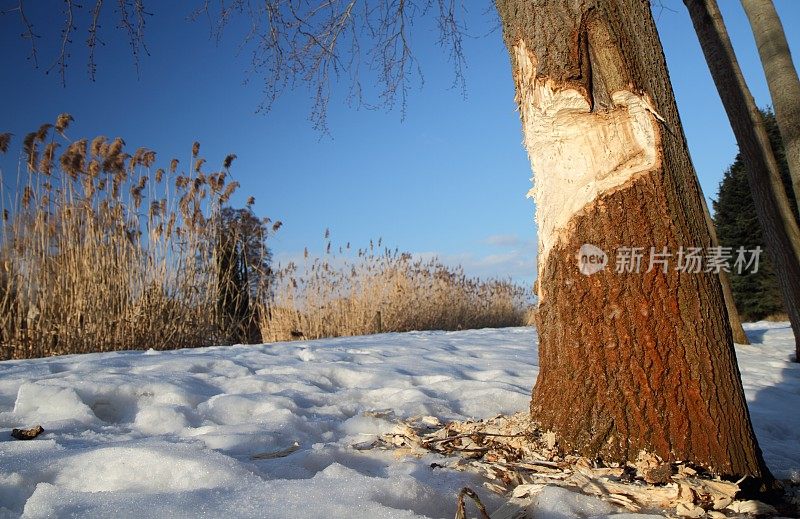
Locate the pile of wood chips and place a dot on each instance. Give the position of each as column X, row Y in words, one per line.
column 518, row 460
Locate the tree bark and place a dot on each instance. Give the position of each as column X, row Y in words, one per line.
column 784, row 85
column 781, row 232
column 627, row 362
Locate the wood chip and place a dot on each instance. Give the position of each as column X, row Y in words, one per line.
column 752, row 507
column 658, row 475
column 549, row 439
column 518, row 461
column 270, row 455
column 687, row 510
column 461, row 511
column 27, row 434
column 526, row 490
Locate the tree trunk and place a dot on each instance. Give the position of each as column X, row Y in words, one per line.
column 636, row 361
column 775, row 216
column 784, row 86
column 739, row 336
column 735, row 321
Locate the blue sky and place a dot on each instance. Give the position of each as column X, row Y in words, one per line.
column 450, row 179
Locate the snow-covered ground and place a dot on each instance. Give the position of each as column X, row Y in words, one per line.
column 174, row 434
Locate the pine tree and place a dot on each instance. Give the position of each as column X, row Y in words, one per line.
column 757, row 295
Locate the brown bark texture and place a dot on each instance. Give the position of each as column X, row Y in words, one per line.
column 782, row 80
column 775, row 217
column 638, row 361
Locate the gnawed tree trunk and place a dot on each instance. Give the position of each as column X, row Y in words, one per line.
column 784, row 85
column 627, row 362
column 781, row 232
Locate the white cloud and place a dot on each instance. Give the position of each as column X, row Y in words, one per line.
column 518, row 265
column 503, row 240
column 515, row 259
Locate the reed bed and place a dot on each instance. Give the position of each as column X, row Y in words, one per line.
column 100, row 250
column 380, row 290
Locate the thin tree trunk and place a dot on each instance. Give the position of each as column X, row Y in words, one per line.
column 775, row 216
column 739, row 336
column 632, row 361
column 735, row 320
column 784, row 85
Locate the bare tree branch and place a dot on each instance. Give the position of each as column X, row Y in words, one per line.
column 300, row 42
column 134, row 28
column 92, row 40
column 63, row 55
column 451, row 36
column 314, row 42
column 132, row 16
column 27, row 33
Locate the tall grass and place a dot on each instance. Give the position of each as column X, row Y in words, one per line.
column 99, row 250
column 381, row 290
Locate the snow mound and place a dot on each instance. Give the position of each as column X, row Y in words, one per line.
column 169, row 468
column 46, row 404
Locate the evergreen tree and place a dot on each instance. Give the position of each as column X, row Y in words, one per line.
column 757, row 295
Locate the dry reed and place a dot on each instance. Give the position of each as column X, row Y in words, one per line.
column 99, row 251
column 87, row 265
column 381, row 290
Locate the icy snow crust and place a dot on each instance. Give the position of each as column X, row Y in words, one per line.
column 173, row 434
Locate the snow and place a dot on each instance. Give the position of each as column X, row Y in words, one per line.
column 194, row 433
